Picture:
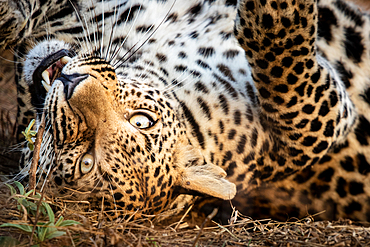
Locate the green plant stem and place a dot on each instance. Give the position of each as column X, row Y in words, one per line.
column 37, row 216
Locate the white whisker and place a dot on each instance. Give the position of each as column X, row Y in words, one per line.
column 115, row 55
column 122, row 60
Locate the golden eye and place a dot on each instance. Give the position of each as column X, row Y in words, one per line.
column 87, row 163
column 141, row 121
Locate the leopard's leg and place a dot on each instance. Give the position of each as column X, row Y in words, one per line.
column 301, row 96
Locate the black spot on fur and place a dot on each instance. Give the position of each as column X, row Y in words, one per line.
column 354, row 15
column 327, row 19
column 204, row 107
column 226, row 158
column 304, row 175
column 323, row 145
column 241, row 145
column 363, row 165
column 315, row 125
column 249, row 158
column 326, row 175
column 345, row 75
column 324, row 109
column 300, row 88
column 206, row 51
column 231, row 168
column 230, row 53
column 329, row 129
column 129, row 14
column 199, row 86
column 309, row 141
column 224, row 104
column 353, row 44
column 352, row 207
column 356, row 188
column 347, row 164
column 195, row 126
column 308, row 109
column 341, row 187
column 229, row 88
column 318, row 189
column 195, row 10
column 366, row 95
column 267, row 21
column 362, row 131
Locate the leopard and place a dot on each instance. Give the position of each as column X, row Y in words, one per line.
column 260, row 106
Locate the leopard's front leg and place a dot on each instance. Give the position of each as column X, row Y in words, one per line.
column 301, row 96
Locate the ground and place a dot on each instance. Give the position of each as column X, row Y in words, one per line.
column 97, row 231
column 243, row 232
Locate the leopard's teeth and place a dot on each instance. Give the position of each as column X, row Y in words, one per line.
column 45, row 76
column 64, row 60
column 46, row 86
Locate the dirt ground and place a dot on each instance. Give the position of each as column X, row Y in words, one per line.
column 189, row 229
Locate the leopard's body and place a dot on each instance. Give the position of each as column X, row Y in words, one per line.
column 279, row 102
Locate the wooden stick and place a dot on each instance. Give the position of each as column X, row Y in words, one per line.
column 209, row 217
column 36, row 153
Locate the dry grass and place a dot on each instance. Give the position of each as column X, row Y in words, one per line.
column 98, row 231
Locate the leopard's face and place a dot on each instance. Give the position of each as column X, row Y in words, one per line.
column 113, row 141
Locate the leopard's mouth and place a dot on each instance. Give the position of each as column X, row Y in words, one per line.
column 53, row 71
column 49, row 69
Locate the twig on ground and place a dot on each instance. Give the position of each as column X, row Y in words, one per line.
column 36, row 153
column 33, row 170
column 182, row 218
column 209, row 217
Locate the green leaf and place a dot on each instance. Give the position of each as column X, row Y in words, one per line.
column 32, row 206
column 32, row 133
column 12, row 190
column 49, row 211
column 24, row 202
column 25, row 228
column 29, row 127
column 28, row 193
column 30, row 146
column 6, row 241
column 41, row 232
column 59, row 221
column 70, row 223
column 44, row 230
column 20, row 187
column 55, row 234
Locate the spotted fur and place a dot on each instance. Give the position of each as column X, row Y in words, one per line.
column 262, row 102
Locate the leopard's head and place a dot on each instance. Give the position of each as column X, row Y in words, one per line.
column 111, row 138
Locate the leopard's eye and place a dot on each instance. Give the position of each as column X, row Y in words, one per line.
column 86, row 163
column 141, row 120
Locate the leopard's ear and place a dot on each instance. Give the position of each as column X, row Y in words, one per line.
column 207, row 179
column 195, row 174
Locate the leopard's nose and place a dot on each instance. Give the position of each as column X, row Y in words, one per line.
column 70, row 82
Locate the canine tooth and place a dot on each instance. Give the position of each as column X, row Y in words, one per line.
column 46, row 86
column 45, row 76
column 65, row 59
